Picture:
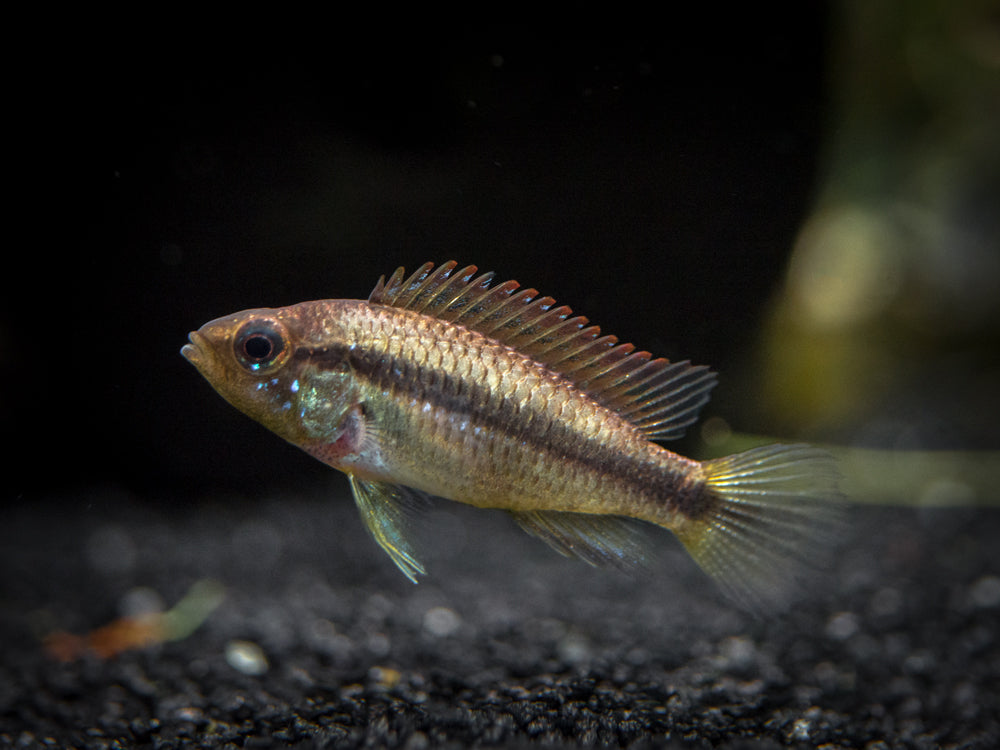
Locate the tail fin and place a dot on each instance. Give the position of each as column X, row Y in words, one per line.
column 778, row 515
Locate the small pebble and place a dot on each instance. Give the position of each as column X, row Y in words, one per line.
column 441, row 621
column 246, row 657
column 842, row 626
column 986, row 592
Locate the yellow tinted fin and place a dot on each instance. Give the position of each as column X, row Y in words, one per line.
column 776, row 517
column 385, row 508
column 610, row 541
column 659, row 397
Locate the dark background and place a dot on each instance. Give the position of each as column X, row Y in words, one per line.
column 652, row 174
column 655, row 185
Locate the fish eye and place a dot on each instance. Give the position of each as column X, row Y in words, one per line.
column 258, row 347
column 259, row 344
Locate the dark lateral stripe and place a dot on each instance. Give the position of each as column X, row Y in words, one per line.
column 460, row 396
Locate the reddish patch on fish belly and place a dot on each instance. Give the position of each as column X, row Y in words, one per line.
column 346, row 445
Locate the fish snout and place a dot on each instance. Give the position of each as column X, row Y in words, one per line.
column 196, row 350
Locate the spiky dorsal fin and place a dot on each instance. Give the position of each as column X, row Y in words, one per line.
column 659, row 397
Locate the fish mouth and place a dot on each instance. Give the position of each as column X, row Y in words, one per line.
column 195, row 351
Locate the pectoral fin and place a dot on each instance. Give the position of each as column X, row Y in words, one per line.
column 385, row 509
column 609, row 541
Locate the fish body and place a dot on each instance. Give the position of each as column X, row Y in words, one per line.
column 449, row 385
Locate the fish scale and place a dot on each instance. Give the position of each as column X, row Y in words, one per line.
column 521, row 397
column 444, row 383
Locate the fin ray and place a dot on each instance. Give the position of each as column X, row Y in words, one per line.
column 611, row 541
column 384, row 509
column 778, row 513
column 661, row 398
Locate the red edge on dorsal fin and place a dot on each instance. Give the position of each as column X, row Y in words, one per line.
column 659, row 397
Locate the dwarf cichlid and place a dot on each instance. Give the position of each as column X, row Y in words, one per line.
column 449, row 385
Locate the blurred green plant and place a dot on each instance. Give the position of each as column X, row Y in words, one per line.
column 891, row 305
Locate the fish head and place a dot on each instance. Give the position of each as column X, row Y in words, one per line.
column 262, row 362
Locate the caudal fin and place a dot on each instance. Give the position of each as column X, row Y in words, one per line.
column 777, row 517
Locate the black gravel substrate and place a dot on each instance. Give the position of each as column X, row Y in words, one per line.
column 320, row 642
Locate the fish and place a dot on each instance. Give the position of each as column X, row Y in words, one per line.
column 446, row 384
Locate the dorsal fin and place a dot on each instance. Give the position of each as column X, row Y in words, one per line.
column 659, row 397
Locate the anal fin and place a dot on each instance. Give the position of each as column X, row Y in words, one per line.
column 611, row 541
column 385, row 509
